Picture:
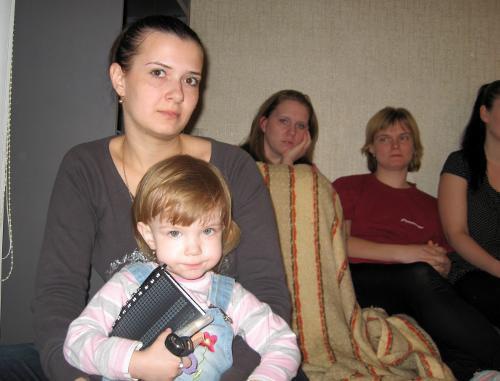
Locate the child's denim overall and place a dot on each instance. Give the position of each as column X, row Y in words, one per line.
column 215, row 357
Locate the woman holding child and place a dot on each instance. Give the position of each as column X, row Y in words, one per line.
column 156, row 69
column 397, row 251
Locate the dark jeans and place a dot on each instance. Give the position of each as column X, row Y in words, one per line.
column 465, row 338
column 482, row 290
column 20, row 362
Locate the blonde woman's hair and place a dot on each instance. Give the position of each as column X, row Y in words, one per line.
column 388, row 117
column 182, row 190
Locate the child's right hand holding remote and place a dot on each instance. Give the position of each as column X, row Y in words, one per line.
column 156, row 363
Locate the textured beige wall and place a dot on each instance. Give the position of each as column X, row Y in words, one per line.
column 352, row 57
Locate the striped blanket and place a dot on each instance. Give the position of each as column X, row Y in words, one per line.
column 338, row 339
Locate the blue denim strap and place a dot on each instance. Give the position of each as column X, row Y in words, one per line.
column 140, row 270
column 221, row 291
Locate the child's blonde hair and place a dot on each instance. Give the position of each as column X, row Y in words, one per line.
column 182, row 190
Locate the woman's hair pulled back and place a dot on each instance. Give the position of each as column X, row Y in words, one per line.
column 128, row 41
column 474, row 134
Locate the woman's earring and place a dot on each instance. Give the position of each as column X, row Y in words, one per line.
column 120, row 100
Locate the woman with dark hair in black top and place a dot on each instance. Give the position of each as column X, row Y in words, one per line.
column 469, row 205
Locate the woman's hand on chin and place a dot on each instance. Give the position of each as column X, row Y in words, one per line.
column 295, row 153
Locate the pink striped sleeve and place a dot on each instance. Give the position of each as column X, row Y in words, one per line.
column 87, row 346
column 266, row 333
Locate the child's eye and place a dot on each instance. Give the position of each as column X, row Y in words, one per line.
column 192, row 81
column 301, row 126
column 174, row 233
column 404, row 138
column 159, row 73
column 208, row 231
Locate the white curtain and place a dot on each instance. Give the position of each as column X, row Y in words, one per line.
column 6, row 43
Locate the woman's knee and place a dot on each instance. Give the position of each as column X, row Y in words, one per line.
column 482, row 291
column 423, row 275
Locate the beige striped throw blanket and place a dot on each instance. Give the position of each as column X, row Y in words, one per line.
column 338, row 339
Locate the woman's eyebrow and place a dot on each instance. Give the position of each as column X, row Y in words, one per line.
column 159, row 64
column 170, row 67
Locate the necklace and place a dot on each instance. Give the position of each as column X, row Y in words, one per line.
column 125, row 172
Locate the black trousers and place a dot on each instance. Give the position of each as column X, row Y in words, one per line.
column 482, row 290
column 465, row 338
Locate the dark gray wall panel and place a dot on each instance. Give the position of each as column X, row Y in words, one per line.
column 61, row 97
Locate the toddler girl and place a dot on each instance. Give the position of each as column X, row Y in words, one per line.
column 182, row 217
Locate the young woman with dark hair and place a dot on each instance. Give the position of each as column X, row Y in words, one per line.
column 469, row 205
column 156, row 68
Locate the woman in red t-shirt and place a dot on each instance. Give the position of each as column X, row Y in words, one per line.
column 397, row 249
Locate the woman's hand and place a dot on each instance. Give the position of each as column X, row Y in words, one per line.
column 156, row 363
column 430, row 253
column 443, row 266
column 295, row 153
column 495, row 269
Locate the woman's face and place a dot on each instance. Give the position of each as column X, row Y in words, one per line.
column 393, row 147
column 161, row 89
column 285, row 127
column 491, row 118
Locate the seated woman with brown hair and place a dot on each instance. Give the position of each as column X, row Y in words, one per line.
column 397, row 249
column 284, row 130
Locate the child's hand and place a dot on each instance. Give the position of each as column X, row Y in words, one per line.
column 156, row 363
column 197, row 338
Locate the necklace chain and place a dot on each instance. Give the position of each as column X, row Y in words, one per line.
column 125, row 172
